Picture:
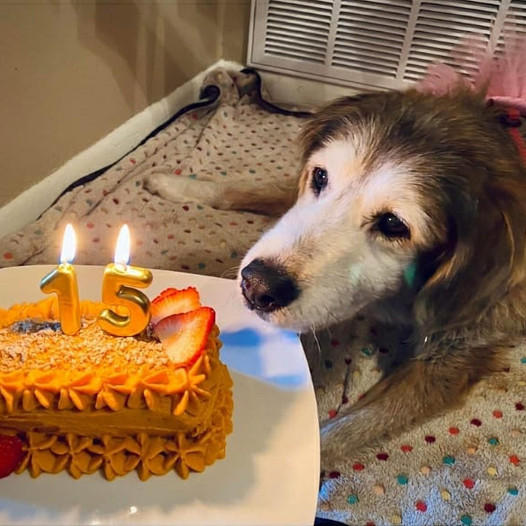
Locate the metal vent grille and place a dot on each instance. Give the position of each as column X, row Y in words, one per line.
column 374, row 43
column 298, row 29
column 440, row 25
column 514, row 22
column 370, row 35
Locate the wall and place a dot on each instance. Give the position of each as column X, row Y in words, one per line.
column 71, row 72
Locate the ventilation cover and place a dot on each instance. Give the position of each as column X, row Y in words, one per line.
column 374, row 43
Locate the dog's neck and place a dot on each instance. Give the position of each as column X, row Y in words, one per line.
column 501, row 325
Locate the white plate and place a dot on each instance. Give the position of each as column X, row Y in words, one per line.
column 270, row 473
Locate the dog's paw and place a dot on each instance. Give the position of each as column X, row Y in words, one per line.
column 158, row 184
column 338, row 440
column 331, row 452
column 183, row 189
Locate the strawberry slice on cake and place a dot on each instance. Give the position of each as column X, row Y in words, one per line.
column 11, row 454
column 173, row 301
column 185, row 335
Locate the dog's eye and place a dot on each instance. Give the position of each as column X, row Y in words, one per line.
column 319, row 179
column 392, row 227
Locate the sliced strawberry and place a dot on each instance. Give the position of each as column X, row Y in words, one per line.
column 168, row 292
column 11, row 454
column 185, row 335
column 173, row 301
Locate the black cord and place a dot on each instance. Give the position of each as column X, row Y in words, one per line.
column 209, row 95
column 327, row 522
column 265, row 104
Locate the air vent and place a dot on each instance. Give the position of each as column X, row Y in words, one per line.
column 514, row 23
column 370, row 35
column 374, row 43
column 298, row 29
column 440, row 26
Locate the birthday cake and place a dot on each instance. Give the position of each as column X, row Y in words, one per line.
column 157, row 402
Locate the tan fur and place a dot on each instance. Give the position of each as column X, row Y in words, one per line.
column 275, row 201
column 271, row 200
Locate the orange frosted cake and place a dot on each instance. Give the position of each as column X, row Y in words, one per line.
column 93, row 401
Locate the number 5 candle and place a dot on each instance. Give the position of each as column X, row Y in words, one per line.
column 117, row 292
column 63, row 281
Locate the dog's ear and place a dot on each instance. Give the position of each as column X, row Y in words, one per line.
column 482, row 261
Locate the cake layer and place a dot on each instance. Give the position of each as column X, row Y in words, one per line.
column 31, row 339
column 116, row 455
column 156, row 419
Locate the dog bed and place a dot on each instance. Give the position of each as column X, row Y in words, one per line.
column 465, row 467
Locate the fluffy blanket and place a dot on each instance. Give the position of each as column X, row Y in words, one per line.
column 465, row 467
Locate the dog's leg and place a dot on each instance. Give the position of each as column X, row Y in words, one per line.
column 265, row 198
column 416, row 390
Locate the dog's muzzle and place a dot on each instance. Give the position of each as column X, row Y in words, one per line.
column 266, row 287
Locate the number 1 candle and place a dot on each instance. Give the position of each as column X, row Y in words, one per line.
column 63, row 281
column 118, row 292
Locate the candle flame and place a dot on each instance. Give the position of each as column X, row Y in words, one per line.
column 122, row 248
column 69, row 245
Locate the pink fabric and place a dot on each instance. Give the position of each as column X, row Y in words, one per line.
column 501, row 78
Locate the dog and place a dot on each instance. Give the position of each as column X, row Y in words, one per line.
column 410, row 206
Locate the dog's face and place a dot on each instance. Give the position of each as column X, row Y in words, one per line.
column 388, row 197
column 350, row 238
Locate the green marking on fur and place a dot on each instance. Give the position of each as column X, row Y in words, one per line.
column 367, row 351
column 410, row 274
column 353, row 499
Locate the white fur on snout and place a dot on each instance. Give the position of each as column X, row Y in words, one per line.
column 311, row 215
column 326, row 244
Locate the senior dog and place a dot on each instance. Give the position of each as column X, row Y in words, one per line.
column 411, row 205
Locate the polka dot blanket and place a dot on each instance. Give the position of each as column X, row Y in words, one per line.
column 466, row 467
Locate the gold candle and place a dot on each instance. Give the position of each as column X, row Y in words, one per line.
column 63, row 282
column 133, row 306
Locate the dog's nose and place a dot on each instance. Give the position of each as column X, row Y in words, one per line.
column 267, row 287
